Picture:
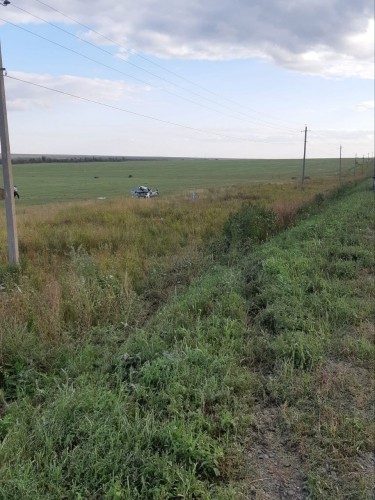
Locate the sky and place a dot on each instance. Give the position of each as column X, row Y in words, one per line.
column 215, row 79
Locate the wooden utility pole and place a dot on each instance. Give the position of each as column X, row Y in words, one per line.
column 304, row 159
column 340, row 165
column 13, row 254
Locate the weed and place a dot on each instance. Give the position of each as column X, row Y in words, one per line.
column 301, row 350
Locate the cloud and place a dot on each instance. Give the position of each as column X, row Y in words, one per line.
column 333, row 38
column 22, row 96
column 367, row 105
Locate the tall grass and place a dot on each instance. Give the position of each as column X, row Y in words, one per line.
column 107, row 394
column 79, row 262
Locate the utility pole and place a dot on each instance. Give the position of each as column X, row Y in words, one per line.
column 340, row 165
column 355, row 164
column 304, row 159
column 10, row 208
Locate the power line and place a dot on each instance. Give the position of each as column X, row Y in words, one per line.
column 105, row 51
column 132, row 51
column 127, row 74
column 92, row 101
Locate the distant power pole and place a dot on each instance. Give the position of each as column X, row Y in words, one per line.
column 340, row 165
column 304, row 159
column 7, row 174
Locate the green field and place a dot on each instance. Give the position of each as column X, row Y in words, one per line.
column 60, row 182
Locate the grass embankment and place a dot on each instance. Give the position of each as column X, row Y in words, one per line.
column 311, row 297
column 96, row 409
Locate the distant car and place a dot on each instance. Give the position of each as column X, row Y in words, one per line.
column 144, row 192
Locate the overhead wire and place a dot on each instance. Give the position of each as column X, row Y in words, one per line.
column 93, row 101
column 132, row 51
column 124, row 73
column 101, row 48
column 131, row 76
column 138, row 79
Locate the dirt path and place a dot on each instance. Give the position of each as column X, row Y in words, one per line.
column 274, row 469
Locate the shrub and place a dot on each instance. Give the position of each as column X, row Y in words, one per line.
column 251, row 224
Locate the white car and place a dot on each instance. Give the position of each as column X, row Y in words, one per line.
column 144, row 192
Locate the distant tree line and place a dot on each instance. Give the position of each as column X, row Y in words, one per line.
column 18, row 159
column 66, row 159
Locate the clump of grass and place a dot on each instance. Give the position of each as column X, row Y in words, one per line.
column 250, row 224
column 286, row 212
column 301, row 350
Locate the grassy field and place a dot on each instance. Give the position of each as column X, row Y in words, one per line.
column 216, row 349
column 59, row 182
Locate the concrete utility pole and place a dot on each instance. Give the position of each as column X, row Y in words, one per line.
column 304, row 159
column 340, row 165
column 7, row 174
